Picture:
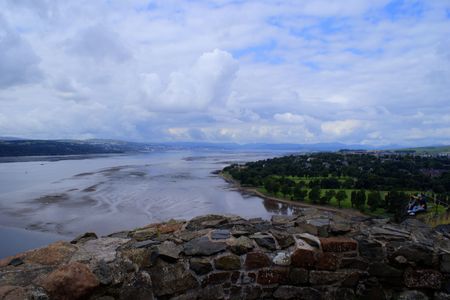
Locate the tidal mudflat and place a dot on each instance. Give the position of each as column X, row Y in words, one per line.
column 111, row 193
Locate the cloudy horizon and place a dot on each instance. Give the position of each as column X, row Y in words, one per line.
column 361, row 72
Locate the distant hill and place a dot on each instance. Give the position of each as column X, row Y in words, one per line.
column 67, row 147
column 26, row 147
column 427, row 150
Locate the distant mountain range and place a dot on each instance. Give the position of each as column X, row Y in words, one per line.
column 10, row 146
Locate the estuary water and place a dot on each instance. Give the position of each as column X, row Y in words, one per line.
column 62, row 198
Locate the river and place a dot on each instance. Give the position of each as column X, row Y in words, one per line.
column 47, row 198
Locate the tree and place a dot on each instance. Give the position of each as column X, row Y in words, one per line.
column 341, row 196
column 360, row 199
column 327, row 197
column 285, row 189
column 374, row 200
column 314, row 194
column 353, row 198
column 397, row 203
column 299, row 193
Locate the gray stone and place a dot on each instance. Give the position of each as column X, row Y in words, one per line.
column 240, row 245
column 284, row 239
column 295, row 292
column 227, row 262
column 321, row 224
column 102, row 249
column 145, row 244
column 168, row 279
column 203, row 246
column 168, row 250
column 445, row 263
column 220, row 234
column 208, row 221
column 282, row 259
column 264, row 240
column 298, row 276
column 84, row 238
column 200, row 266
column 412, row 295
column 441, row 296
column 282, row 219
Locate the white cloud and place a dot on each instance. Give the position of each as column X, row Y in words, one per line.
column 288, row 71
column 340, row 128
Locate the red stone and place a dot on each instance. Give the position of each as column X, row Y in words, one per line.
column 430, row 279
column 71, row 281
column 256, row 260
column 273, row 276
column 327, row 261
column 303, row 258
column 338, row 244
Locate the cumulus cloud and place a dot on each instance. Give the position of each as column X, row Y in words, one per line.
column 359, row 71
column 18, row 62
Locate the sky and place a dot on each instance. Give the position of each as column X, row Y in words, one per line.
column 372, row 72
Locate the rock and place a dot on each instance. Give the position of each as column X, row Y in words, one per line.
column 272, row 276
column 228, row 262
column 295, row 292
column 284, row 239
column 282, row 259
column 327, row 261
column 84, row 238
column 144, row 234
column 420, row 255
column 71, row 281
column 282, row 219
column 220, row 234
column 187, row 235
column 240, row 245
column 216, row 278
column 303, row 258
column 9, row 292
column 140, row 256
column 264, row 240
column 389, row 233
column 203, row 246
column 385, row 272
column 298, row 276
column 200, row 266
column 338, row 244
column 145, row 244
column 310, row 239
column 412, row 295
column 428, row 279
column 16, row 262
column 321, row 224
column 256, row 260
column 445, row 263
column 212, row 292
column 441, row 296
column 102, row 249
column 139, row 288
column 370, row 249
column 207, row 221
column 168, row 250
column 169, row 279
column 354, row 263
column 54, row 254
column 302, row 227
column 327, row 277
column 338, row 228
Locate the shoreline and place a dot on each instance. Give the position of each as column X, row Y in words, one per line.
column 253, row 191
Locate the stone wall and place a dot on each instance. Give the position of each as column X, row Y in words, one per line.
column 314, row 255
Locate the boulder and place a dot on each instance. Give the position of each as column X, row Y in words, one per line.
column 220, row 234
column 240, row 245
column 303, row 258
column 169, row 278
column 338, row 244
column 71, row 281
column 427, row 279
column 264, row 240
column 54, row 254
column 84, row 238
column 203, row 246
column 295, row 292
column 200, row 266
column 228, row 262
column 256, row 260
column 282, row 259
column 273, row 276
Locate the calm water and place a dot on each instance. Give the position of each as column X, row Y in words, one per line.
column 113, row 193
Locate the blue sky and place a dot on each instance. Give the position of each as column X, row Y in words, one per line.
column 357, row 71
